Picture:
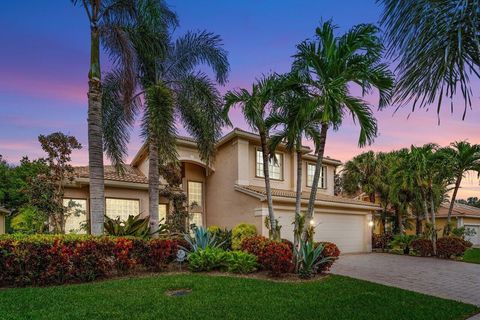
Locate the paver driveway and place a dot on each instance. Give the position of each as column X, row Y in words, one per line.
column 442, row 278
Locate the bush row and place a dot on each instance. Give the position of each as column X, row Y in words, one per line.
column 43, row 260
column 447, row 247
column 218, row 259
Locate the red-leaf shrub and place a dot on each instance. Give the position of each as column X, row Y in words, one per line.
column 46, row 259
column 424, row 247
column 451, row 246
column 274, row 256
column 329, row 250
column 381, row 241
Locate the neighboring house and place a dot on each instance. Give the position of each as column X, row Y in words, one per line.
column 3, row 213
column 232, row 191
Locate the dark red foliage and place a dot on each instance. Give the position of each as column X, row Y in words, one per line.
column 273, row 256
column 448, row 247
column 381, row 241
column 158, row 253
column 424, row 247
column 330, row 250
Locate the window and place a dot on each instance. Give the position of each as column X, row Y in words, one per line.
column 162, row 212
column 76, row 212
column 322, row 183
column 196, row 219
column 122, row 208
column 275, row 167
column 195, row 193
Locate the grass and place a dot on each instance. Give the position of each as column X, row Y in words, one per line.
column 223, row 297
column 472, row 255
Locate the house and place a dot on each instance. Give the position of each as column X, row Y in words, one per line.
column 3, row 213
column 232, row 191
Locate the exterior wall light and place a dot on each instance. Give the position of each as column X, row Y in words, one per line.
column 370, row 223
column 312, row 222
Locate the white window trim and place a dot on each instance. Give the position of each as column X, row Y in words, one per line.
column 323, row 181
column 261, row 175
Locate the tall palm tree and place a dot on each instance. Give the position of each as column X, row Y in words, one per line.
column 109, row 21
column 461, row 157
column 298, row 117
column 436, row 46
column 171, row 90
column 327, row 66
column 255, row 108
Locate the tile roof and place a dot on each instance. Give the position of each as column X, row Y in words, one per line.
column 459, row 210
column 130, row 174
column 4, row 210
column 305, row 195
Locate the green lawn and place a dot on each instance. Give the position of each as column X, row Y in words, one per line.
column 472, row 255
column 219, row 297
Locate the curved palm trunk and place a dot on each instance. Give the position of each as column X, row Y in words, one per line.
column 153, row 185
column 95, row 138
column 298, row 198
column 452, row 203
column 316, row 177
column 266, row 174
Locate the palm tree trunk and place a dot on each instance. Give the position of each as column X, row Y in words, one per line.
column 266, row 174
column 316, row 177
column 452, row 203
column 434, row 226
column 153, row 185
column 298, row 198
column 401, row 229
column 425, row 209
column 95, row 138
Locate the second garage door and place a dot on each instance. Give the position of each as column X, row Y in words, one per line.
column 347, row 231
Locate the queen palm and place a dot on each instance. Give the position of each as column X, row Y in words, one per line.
column 328, row 65
column 109, row 21
column 255, row 108
column 461, row 157
column 171, row 91
column 362, row 173
column 298, row 118
column 436, row 46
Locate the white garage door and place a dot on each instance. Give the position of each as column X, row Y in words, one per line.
column 475, row 237
column 345, row 230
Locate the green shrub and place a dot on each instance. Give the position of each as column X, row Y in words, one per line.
column 310, row 258
column 240, row 232
column 201, row 240
column 206, row 259
column 240, row 262
column 223, row 236
column 403, row 241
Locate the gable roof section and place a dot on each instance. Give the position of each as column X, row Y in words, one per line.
column 130, row 174
column 4, row 211
column 260, row 192
column 459, row 210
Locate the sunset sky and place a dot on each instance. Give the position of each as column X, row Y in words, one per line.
column 44, row 65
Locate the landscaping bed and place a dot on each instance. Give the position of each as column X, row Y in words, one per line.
column 222, row 297
column 472, row 255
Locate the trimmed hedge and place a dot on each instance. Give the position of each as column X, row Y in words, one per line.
column 424, row 247
column 58, row 259
column 331, row 250
column 381, row 241
column 273, row 256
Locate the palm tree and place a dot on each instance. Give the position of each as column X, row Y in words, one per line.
column 327, row 67
column 169, row 86
column 436, row 46
column 461, row 157
column 361, row 174
column 109, row 21
column 255, row 107
column 298, row 117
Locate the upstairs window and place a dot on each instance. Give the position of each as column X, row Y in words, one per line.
column 275, row 167
column 322, row 183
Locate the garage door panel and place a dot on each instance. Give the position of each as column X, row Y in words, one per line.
column 345, row 230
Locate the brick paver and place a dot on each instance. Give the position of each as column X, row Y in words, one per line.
column 442, row 278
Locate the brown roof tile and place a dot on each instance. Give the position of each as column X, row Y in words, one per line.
column 130, row 174
column 458, row 210
column 306, row 195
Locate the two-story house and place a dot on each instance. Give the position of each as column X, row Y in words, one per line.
column 232, row 191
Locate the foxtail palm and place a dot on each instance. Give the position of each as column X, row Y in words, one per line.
column 170, row 86
column 298, row 117
column 327, row 67
column 109, row 21
column 436, row 46
column 461, row 158
column 255, row 108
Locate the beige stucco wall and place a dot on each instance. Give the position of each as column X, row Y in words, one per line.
column 225, row 206
column 471, row 221
column 2, row 224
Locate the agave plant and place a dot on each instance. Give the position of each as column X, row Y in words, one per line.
column 134, row 226
column 309, row 258
column 201, row 240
